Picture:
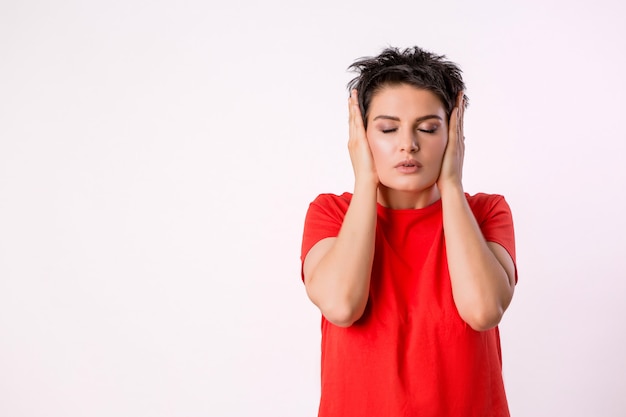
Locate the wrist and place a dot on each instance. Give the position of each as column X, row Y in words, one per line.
column 366, row 187
column 366, row 182
column 450, row 187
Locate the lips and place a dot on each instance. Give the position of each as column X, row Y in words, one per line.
column 408, row 166
column 408, row 163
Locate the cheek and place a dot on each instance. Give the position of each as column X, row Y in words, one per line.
column 434, row 154
column 440, row 145
column 377, row 147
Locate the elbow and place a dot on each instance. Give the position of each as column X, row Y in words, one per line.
column 483, row 312
column 343, row 315
column 340, row 310
column 482, row 319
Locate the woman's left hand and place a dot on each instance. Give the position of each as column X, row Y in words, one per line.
column 452, row 165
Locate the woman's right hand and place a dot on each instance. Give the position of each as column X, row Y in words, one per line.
column 360, row 152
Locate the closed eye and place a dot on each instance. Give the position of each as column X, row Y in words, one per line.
column 389, row 130
column 427, row 130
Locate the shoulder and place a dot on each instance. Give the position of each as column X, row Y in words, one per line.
column 328, row 208
column 484, row 201
column 480, row 199
column 486, row 205
column 324, row 219
column 333, row 201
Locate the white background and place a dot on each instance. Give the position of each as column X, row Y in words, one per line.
column 157, row 159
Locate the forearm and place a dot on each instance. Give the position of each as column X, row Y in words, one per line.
column 339, row 282
column 481, row 287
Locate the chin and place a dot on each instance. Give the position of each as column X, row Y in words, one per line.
column 408, row 187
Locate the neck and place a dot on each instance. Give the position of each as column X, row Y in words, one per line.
column 399, row 200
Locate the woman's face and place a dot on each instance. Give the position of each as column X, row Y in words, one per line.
column 407, row 130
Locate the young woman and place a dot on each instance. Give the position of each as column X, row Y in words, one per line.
column 411, row 274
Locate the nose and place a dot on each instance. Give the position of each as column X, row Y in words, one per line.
column 408, row 142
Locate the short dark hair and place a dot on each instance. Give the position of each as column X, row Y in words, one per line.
column 413, row 66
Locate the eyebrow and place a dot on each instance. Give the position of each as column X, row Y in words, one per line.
column 418, row 120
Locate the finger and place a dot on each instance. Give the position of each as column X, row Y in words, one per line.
column 350, row 106
column 352, row 116
column 461, row 107
column 453, row 130
column 357, row 110
column 454, row 122
column 357, row 129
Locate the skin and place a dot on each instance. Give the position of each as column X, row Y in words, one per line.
column 407, row 123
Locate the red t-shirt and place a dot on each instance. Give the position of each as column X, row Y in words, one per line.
column 410, row 354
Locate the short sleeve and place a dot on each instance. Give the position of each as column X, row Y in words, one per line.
column 496, row 222
column 323, row 219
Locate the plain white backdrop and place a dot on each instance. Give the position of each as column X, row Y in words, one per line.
column 157, row 159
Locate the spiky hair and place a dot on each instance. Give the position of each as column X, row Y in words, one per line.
column 413, row 66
